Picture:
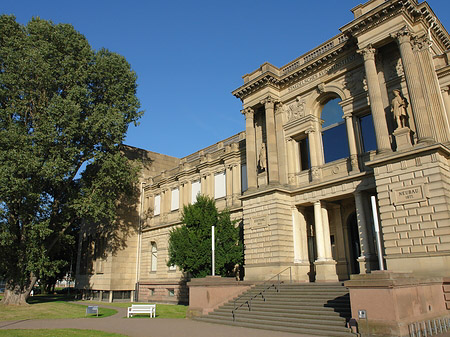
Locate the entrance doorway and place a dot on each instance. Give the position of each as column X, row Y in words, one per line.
column 353, row 239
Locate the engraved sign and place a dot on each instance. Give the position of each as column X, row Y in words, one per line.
column 259, row 223
column 408, row 194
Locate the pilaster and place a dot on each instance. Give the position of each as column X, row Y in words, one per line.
column 236, row 173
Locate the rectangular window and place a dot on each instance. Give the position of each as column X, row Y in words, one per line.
column 157, row 209
column 175, row 204
column 303, row 146
column 171, row 292
column 367, row 130
column 220, row 186
column 244, row 183
column 335, row 142
column 196, row 189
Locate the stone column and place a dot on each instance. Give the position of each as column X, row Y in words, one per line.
column 210, row 185
column 291, row 160
column 181, row 195
column 204, row 184
column 418, row 106
column 236, row 173
column 300, row 236
column 431, row 89
column 229, row 184
column 281, row 146
column 325, row 265
column 187, row 192
column 250, row 147
column 375, row 98
column 271, row 136
column 351, row 142
column 313, row 153
column 364, row 240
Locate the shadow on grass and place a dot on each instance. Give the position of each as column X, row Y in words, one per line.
column 49, row 298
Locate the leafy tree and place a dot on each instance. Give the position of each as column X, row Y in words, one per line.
column 63, row 108
column 190, row 244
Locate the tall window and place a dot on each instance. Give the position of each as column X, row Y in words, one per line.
column 154, row 258
column 303, row 147
column 244, row 183
column 175, row 202
column 196, row 189
column 334, row 132
column 157, row 208
column 367, row 130
column 220, row 187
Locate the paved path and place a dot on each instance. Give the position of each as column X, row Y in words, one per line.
column 140, row 327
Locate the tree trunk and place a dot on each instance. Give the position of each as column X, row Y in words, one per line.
column 16, row 295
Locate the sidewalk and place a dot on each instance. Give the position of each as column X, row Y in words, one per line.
column 148, row 327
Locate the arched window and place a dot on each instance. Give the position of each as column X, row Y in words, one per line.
column 334, row 132
column 154, row 258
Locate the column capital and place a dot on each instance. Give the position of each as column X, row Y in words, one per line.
column 421, row 43
column 279, row 108
column 404, row 35
column 368, row 52
column 268, row 102
column 347, row 115
column 248, row 112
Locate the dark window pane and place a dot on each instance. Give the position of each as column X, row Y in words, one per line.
column 368, row 133
column 304, row 154
column 335, row 143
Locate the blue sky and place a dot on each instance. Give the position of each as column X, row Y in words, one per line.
column 190, row 55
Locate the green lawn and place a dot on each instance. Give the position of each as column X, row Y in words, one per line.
column 162, row 310
column 57, row 333
column 49, row 307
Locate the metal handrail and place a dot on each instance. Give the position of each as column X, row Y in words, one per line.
column 261, row 293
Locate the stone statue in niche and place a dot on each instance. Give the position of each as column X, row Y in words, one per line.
column 262, row 158
column 398, row 108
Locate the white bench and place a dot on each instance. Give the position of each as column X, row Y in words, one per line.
column 142, row 309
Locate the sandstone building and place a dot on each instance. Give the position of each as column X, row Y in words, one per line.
column 365, row 114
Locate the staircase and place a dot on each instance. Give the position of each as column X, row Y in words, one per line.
column 316, row 309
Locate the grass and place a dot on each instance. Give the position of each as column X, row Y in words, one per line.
column 56, row 333
column 49, row 307
column 162, row 310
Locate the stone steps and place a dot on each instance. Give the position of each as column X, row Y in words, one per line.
column 316, row 309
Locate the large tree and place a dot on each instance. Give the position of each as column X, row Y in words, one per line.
column 190, row 244
column 64, row 112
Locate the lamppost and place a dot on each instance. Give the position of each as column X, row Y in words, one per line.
column 213, row 252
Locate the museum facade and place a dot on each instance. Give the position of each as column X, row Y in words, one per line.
column 348, row 141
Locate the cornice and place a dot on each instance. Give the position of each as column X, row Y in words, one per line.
column 410, row 8
column 374, row 17
column 314, row 61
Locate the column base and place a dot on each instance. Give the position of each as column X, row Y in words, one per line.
column 326, row 271
column 367, row 264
